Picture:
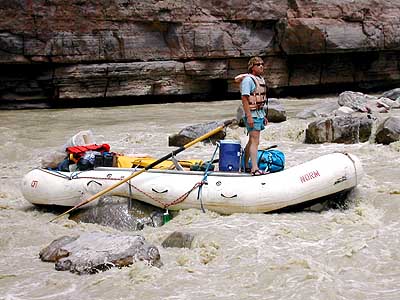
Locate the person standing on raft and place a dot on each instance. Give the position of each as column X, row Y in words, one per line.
column 253, row 91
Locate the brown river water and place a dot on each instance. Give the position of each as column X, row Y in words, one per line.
column 336, row 254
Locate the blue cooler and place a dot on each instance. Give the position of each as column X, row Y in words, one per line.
column 229, row 156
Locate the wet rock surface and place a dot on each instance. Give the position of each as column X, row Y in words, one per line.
column 179, row 239
column 340, row 129
column 351, row 119
column 120, row 213
column 93, row 252
column 192, row 132
column 388, row 131
column 366, row 103
column 393, row 94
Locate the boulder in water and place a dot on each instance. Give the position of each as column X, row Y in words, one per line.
column 193, row 132
column 178, row 239
column 93, row 252
column 340, row 129
column 393, row 94
column 120, row 213
column 388, row 131
column 366, row 103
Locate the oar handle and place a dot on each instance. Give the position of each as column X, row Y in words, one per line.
column 269, row 147
column 101, row 193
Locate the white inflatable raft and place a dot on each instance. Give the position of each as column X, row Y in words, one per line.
column 222, row 192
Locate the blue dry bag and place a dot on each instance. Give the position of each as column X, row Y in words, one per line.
column 269, row 160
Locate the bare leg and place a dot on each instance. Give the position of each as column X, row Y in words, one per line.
column 246, row 155
column 251, row 150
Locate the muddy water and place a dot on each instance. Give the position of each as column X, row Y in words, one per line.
column 336, row 254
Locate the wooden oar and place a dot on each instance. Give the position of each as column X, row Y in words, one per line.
column 269, row 147
column 173, row 153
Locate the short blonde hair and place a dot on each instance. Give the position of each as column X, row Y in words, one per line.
column 254, row 60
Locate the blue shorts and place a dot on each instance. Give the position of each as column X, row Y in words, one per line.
column 258, row 124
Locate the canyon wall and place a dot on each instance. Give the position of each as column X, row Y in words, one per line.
column 59, row 51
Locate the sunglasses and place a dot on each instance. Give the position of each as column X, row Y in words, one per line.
column 259, row 64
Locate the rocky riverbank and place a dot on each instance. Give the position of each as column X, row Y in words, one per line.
column 124, row 52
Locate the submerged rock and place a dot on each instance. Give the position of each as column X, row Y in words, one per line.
column 93, row 252
column 54, row 251
column 120, row 213
column 178, row 240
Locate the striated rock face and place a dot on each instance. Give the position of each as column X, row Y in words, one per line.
column 57, row 50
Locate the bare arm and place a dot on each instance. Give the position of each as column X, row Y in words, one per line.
column 247, row 112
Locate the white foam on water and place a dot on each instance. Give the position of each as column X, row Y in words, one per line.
column 336, row 254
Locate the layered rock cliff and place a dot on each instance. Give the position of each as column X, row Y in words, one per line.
column 57, row 50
